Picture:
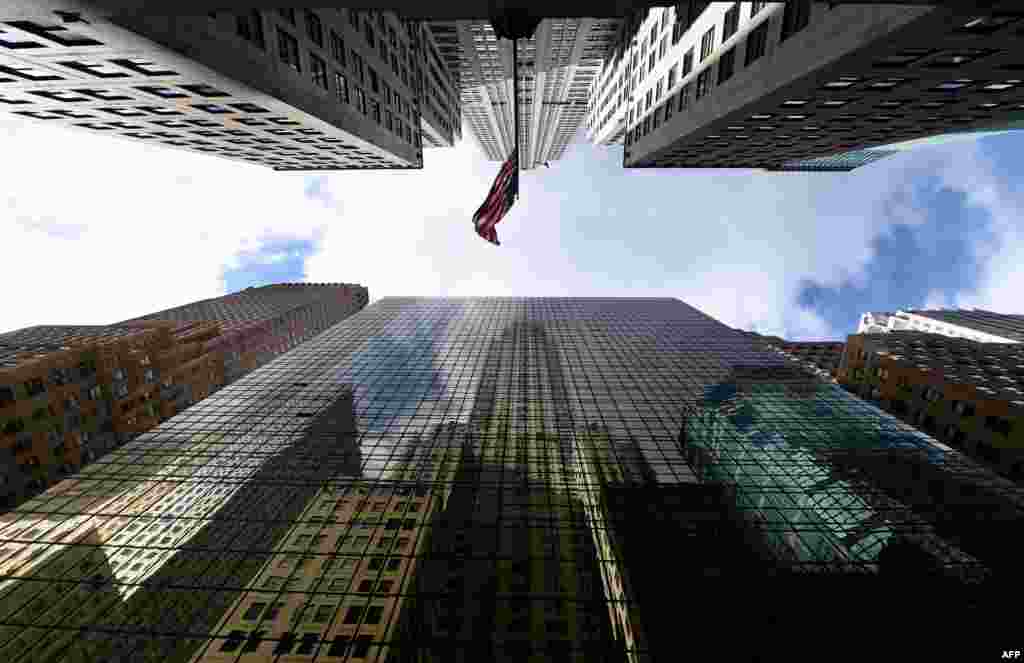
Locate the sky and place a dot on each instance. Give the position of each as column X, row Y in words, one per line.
column 98, row 229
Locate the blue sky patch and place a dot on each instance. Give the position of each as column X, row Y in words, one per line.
column 276, row 261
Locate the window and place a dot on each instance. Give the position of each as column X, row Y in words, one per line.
column 354, row 614
column 687, row 63
column 958, row 57
column 368, row 32
column 323, row 613
column 757, row 6
column 253, row 643
column 233, row 641
column 757, row 40
column 254, row 611
column 249, row 26
column 319, row 69
column 339, row 647
column 288, row 15
column 341, row 87
column 362, row 647
column 308, row 645
column 672, row 78
column 986, row 25
column 376, row 116
column 647, row 100
column 707, row 44
column 703, row 83
column 731, row 22
column 374, row 81
column 289, row 49
column 314, row 28
column 394, row 564
column 337, row 48
column 663, row 47
column 374, row 614
column 659, row 90
column 361, row 101
column 357, row 66
column 795, row 18
column 726, row 65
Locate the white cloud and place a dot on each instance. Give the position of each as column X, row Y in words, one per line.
column 101, row 229
column 113, row 229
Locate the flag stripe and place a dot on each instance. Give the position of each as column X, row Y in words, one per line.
column 498, row 202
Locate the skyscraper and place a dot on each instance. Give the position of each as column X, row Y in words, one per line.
column 974, row 324
column 804, row 85
column 556, row 68
column 69, row 394
column 509, row 480
column 819, row 357
column 968, row 394
column 291, row 89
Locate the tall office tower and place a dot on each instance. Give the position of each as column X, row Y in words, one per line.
column 820, row 357
column 509, row 480
column 556, row 67
column 806, row 86
column 70, row 394
column 259, row 323
column 320, row 89
column 974, row 324
column 968, row 394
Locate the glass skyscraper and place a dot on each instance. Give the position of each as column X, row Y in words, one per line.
column 509, row 480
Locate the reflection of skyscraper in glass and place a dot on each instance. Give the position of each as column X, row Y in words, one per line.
column 519, row 480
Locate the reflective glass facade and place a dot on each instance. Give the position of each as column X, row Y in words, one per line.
column 495, row 479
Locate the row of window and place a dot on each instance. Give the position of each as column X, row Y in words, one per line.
column 341, row 646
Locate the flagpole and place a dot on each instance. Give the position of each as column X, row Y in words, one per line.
column 515, row 112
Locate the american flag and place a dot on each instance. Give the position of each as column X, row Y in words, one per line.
column 499, row 201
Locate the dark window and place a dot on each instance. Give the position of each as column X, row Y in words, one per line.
column 56, row 33
column 288, row 47
column 99, row 70
column 726, row 65
column 308, row 645
column 314, row 28
column 205, row 90
column 319, row 70
column 687, row 63
column 368, row 32
column 757, row 6
column 707, row 44
column 757, row 41
column 340, row 646
column 393, row 523
column 795, row 17
column 28, row 73
column 703, row 83
column 731, row 22
column 143, row 66
column 362, row 647
column 162, row 92
column 288, row 15
column 374, row 614
column 341, row 87
column 253, row 643
column 668, row 109
column 6, row 395
column 986, row 25
column 233, row 641
column 337, row 48
column 374, row 81
column 247, row 107
column 285, row 645
column 376, row 111
column 35, row 386
column 249, row 27
column 394, row 564
column 672, row 77
column 684, row 97
column 354, row 614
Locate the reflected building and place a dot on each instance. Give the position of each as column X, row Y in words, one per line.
column 71, row 393
column 511, row 479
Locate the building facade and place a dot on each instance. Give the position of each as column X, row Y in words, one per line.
column 70, row 394
column 556, row 68
column 819, row 357
column 968, row 394
column 806, row 85
column 506, row 479
column 289, row 89
column 974, row 324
